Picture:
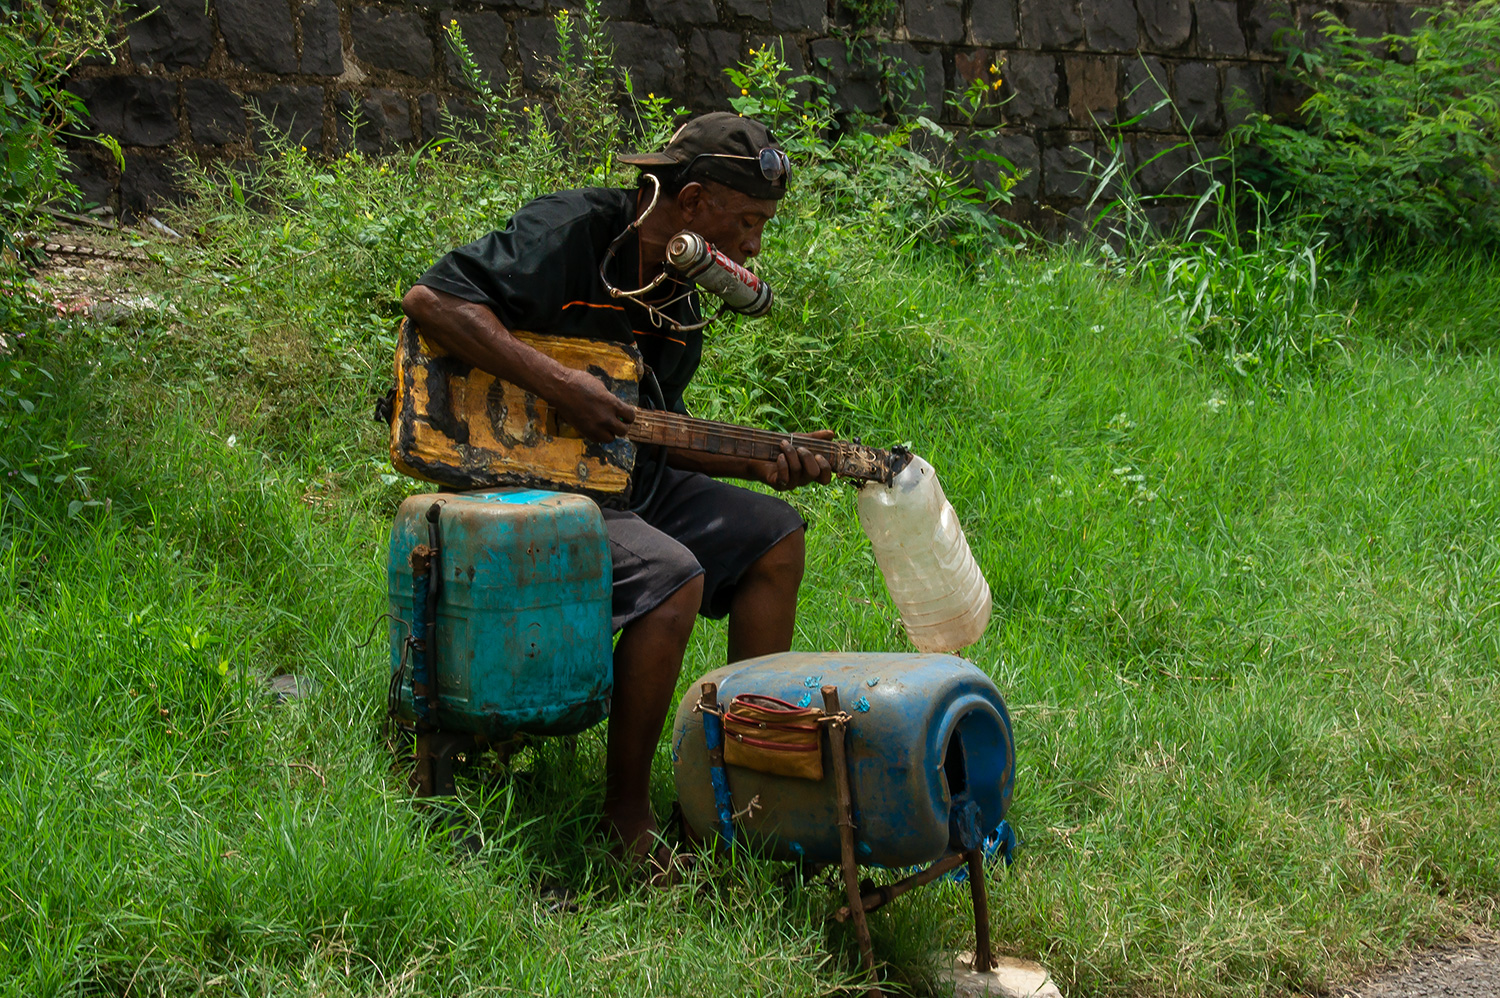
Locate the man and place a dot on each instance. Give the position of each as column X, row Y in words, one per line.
column 697, row 545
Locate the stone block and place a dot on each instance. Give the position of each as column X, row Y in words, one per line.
column 652, row 56
column 1008, row 978
column 994, row 22
column 609, row 10
column 93, row 175
column 935, row 20
column 177, row 33
column 1167, row 166
column 1265, row 19
column 147, row 183
column 488, row 39
column 1023, row 154
column 1367, row 19
column 395, row 40
column 709, row 53
column 1168, row 23
column 1093, row 87
column 1111, row 26
column 758, row 10
column 430, row 113
column 536, row 42
column 1244, row 93
column 681, row 13
column 384, row 122
column 1219, row 28
column 1051, row 24
column 1405, row 20
column 1067, row 172
column 970, row 65
column 1031, row 86
column 258, row 34
column 137, row 110
column 322, row 46
column 216, row 114
column 915, row 81
column 799, row 15
column 460, row 119
column 345, row 117
column 856, row 86
column 1195, row 89
column 294, row 113
column 1145, row 86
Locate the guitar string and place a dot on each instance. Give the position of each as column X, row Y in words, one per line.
column 738, row 434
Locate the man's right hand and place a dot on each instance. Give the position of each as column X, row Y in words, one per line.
column 584, row 403
column 477, row 336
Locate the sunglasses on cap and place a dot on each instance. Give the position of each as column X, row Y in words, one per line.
column 774, row 165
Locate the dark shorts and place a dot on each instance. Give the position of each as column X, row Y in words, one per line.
column 694, row 525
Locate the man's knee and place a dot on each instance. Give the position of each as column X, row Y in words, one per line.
column 677, row 613
column 784, row 563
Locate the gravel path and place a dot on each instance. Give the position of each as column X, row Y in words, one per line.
column 1460, row 971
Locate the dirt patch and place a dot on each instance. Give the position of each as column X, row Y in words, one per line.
column 1461, row 970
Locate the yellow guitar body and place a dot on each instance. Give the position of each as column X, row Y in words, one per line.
column 456, row 425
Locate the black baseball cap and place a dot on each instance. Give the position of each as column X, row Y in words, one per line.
column 738, row 152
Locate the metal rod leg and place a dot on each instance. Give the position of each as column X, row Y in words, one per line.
column 846, row 839
column 984, row 960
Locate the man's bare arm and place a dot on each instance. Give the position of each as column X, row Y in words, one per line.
column 475, row 335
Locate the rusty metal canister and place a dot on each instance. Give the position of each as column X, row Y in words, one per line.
column 931, row 758
column 522, row 639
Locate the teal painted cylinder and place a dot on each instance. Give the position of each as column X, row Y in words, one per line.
column 931, row 758
column 523, row 639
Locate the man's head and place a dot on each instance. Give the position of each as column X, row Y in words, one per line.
column 723, row 174
column 739, row 153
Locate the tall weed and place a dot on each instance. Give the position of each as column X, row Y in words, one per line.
column 1400, row 136
column 1245, row 284
column 40, row 45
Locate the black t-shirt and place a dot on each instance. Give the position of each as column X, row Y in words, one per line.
column 541, row 274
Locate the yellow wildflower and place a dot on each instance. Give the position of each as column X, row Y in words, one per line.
column 744, row 92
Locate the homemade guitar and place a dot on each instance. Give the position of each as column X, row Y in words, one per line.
column 456, row 425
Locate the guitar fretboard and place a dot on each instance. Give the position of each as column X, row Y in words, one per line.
column 851, row 460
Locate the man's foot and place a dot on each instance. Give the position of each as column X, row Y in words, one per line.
column 633, row 836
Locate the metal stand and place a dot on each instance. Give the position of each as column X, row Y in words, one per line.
column 436, row 755
column 847, row 861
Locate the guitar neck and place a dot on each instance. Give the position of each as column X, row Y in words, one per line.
column 851, row 460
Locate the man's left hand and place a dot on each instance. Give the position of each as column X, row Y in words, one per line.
column 797, row 466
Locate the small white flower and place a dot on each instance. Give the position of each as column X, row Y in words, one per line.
column 232, row 440
column 1096, row 329
column 1216, row 404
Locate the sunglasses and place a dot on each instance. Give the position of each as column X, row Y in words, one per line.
column 773, row 162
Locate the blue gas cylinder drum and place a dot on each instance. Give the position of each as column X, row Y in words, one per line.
column 931, row 758
column 523, row 611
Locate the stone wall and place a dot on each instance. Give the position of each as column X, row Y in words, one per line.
column 187, row 72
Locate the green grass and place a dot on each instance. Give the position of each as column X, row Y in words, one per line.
column 1246, row 626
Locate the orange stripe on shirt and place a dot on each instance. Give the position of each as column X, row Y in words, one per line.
column 589, row 304
column 647, row 332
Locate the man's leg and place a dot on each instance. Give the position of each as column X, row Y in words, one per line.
column 764, row 606
column 648, row 658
